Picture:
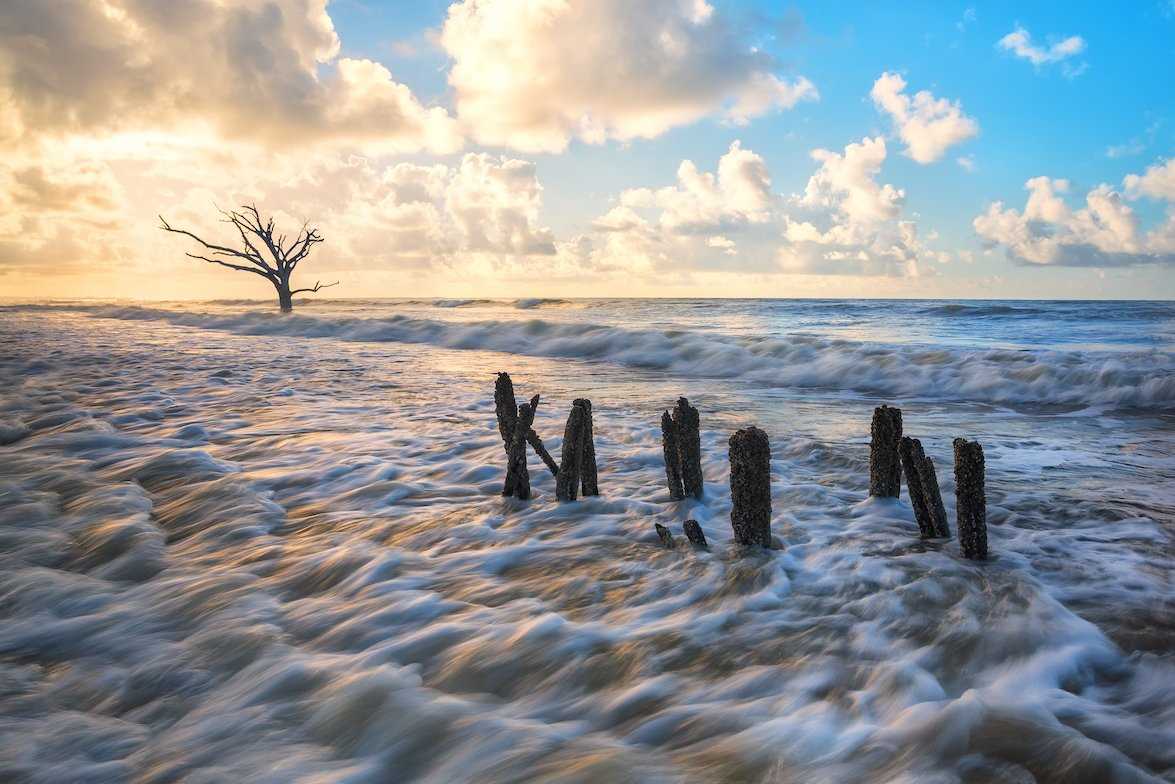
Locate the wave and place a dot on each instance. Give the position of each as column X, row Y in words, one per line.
column 539, row 302
column 1144, row 380
column 956, row 309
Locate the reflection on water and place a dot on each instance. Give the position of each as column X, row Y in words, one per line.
column 236, row 554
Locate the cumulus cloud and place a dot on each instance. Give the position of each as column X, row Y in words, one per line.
column 844, row 222
column 1019, row 42
column 1105, row 232
column 1157, row 182
column 534, row 75
column 266, row 72
column 929, row 126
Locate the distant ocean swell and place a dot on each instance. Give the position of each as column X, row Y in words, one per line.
column 1141, row 380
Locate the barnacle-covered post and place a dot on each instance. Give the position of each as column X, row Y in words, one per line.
column 750, row 487
column 885, row 467
column 970, row 498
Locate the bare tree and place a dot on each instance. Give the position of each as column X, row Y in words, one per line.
column 276, row 262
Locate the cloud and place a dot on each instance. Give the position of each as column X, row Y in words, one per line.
column 1105, row 232
column 966, row 163
column 1157, row 182
column 929, row 126
column 263, row 72
column 844, row 222
column 534, row 75
column 1019, row 42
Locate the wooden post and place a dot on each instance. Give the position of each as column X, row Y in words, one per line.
column 517, row 476
column 885, row 467
column 589, row 479
column 664, row 534
column 672, row 456
column 506, row 408
column 922, row 484
column 689, row 447
column 693, row 532
column 912, row 456
column 938, row 512
column 750, row 487
column 970, row 498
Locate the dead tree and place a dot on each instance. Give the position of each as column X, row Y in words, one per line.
column 261, row 253
column 506, row 408
column 577, row 465
column 681, row 444
column 970, row 498
column 885, row 467
column 750, row 487
column 517, row 476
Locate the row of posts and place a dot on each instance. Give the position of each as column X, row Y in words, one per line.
column 891, row 454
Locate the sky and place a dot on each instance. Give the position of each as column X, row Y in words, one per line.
column 508, row 148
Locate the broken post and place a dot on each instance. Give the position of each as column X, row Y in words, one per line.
column 938, row 512
column 517, row 476
column 672, row 457
column 589, row 480
column 664, row 534
column 577, row 466
column 970, row 499
column 922, row 484
column 912, row 456
column 693, row 532
column 885, row 467
column 506, row 408
column 689, row 447
column 750, row 487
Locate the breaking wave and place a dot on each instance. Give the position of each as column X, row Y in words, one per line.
column 1139, row 379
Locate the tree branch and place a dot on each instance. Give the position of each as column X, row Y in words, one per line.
column 317, row 286
column 220, row 250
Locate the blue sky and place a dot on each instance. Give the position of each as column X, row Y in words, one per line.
column 1034, row 120
column 1097, row 113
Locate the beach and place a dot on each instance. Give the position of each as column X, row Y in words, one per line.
column 240, row 545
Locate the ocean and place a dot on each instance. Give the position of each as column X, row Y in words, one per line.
column 240, row 546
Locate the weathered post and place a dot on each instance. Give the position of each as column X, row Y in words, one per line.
column 885, row 467
column 750, row 487
column 506, row 407
column 970, row 498
column 693, row 532
column 922, row 484
column 578, row 461
column 672, row 456
column 689, row 447
column 912, row 455
column 517, row 476
column 938, row 512
column 589, row 480
column 507, row 410
column 664, row 534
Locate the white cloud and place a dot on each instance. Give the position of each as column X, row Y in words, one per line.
column 1104, row 232
column 268, row 73
column 929, row 126
column 1158, row 182
column 535, row 74
column 845, row 222
column 1019, row 42
column 966, row 162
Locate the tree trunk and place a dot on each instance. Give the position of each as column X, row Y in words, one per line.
column 284, row 298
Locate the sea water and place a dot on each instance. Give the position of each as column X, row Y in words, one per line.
column 240, row 546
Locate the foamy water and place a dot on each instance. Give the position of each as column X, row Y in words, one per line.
column 236, row 546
